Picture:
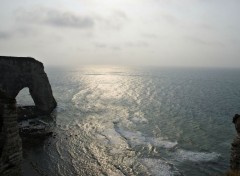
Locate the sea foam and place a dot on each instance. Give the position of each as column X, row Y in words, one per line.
column 183, row 155
column 160, row 167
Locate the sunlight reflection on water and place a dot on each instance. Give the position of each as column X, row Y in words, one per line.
column 127, row 121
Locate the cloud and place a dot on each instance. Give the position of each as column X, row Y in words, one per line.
column 200, row 41
column 4, row 35
column 120, row 45
column 150, row 36
column 69, row 19
column 113, row 47
column 100, row 45
column 115, row 21
column 171, row 19
column 116, row 48
column 55, row 18
column 137, row 44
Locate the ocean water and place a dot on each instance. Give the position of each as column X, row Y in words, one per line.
column 116, row 121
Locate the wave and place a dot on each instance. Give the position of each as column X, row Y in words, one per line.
column 137, row 138
column 160, row 167
column 183, row 155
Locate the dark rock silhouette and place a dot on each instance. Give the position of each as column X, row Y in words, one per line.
column 10, row 141
column 235, row 150
column 17, row 73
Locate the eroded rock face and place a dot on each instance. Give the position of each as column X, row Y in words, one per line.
column 10, row 141
column 17, row 73
column 235, row 150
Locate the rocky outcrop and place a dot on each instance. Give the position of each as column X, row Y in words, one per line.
column 235, row 150
column 17, row 73
column 10, row 141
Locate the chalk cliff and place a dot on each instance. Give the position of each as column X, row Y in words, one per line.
column 17, row 73
column 235, row 150
column 10, row 141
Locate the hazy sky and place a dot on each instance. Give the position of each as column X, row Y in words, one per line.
column 130, row 32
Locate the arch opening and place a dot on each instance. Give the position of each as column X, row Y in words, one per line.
column 24, row 98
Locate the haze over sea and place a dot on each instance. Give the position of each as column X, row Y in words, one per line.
column 115, row 120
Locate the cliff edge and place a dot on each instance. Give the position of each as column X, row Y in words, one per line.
column 17, row 73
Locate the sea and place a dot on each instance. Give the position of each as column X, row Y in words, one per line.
column 137, row 121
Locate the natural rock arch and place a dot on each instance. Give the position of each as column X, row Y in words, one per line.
column 17, row 73
column 24, row 98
